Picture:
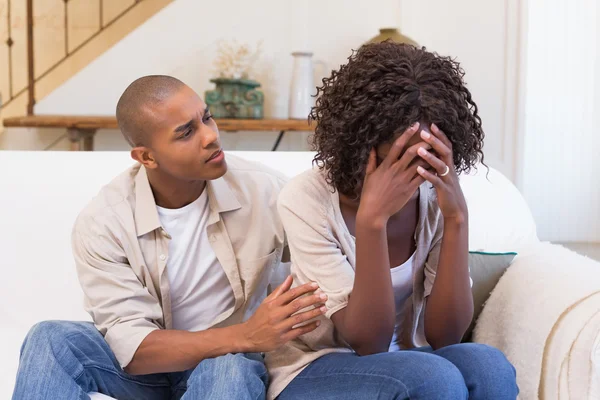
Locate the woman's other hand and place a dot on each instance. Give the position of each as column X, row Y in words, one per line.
column 388, row 187
column 442, row 175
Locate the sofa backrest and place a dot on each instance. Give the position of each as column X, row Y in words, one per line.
column 43, row 192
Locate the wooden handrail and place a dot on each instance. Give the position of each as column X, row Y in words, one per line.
column 30, row 73
column 107, row 122
column 35, row 76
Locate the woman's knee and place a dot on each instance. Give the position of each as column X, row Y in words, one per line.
column 445, row 379
column 429, row 376
column 486, row 370
column 480, row 357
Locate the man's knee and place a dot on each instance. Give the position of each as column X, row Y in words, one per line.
column 232, row 376
column 52, row 334
column 234, row 368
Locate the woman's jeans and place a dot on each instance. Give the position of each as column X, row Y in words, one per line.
column 462, row 371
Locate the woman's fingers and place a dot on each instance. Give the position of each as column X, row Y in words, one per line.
column 410, row 154
column 430, row 177
column 438, row 165
column 441, row 135
column 416, row 162
column 412, row 169
column 399, row 145
column 417, row 181
column 372, row 163
column 440, row 147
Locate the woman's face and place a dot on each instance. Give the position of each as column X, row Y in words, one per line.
column 384, row 148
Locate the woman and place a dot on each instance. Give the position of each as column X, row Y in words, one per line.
column 382, row 227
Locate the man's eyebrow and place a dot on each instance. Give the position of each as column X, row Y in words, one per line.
column 184, row 127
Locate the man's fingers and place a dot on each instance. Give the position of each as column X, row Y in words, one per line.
column 399, row 145
column 301, row 303
column 294, row 333
column 303, row 316
column 292, row 294
column 284, row 287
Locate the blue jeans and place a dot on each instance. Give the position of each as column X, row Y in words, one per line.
column 462, row 371
column 66, row 360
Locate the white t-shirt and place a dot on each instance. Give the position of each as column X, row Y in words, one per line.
column 402, row 284
column 403, row 290
column 200, row 290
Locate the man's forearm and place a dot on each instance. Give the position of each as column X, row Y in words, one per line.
column 450, row 306
column 165, row 351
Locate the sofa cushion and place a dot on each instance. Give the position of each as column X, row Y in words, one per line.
column 485, row 270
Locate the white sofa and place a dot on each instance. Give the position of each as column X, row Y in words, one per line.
column 42, row 193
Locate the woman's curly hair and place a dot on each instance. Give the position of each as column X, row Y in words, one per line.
column 382, row 90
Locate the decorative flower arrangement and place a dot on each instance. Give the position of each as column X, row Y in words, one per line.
column 235, row 95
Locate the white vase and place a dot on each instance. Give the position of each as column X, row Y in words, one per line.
column 302, row 88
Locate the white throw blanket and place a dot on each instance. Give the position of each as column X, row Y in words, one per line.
column 544, row 314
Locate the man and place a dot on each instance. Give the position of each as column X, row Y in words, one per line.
column 174, row 257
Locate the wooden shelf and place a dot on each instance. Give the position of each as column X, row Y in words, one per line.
column 106, row 122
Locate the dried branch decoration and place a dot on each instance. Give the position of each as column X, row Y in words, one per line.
column 235, row 60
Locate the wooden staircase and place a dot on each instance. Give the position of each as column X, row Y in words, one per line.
column 45, row 42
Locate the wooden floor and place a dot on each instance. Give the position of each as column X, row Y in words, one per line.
column 591, row 250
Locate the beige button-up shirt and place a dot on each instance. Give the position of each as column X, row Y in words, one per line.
column 324, row 251
column 121, row 251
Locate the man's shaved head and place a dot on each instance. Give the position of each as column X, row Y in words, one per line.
column 171, row 131
column 134, row 109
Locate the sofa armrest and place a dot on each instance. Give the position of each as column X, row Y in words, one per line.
column 526, row 314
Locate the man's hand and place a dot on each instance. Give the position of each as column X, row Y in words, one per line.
column 279, row 319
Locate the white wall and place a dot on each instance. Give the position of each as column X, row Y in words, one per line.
column 561, row 170
column 181, row 41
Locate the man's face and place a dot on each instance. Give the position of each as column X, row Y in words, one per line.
column 184, row 139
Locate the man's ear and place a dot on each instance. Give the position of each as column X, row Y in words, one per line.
column 144, row 156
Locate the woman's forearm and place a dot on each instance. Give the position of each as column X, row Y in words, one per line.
column 367, row 323
column 449, row 307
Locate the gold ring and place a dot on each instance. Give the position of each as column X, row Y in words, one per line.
column 446, row 171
